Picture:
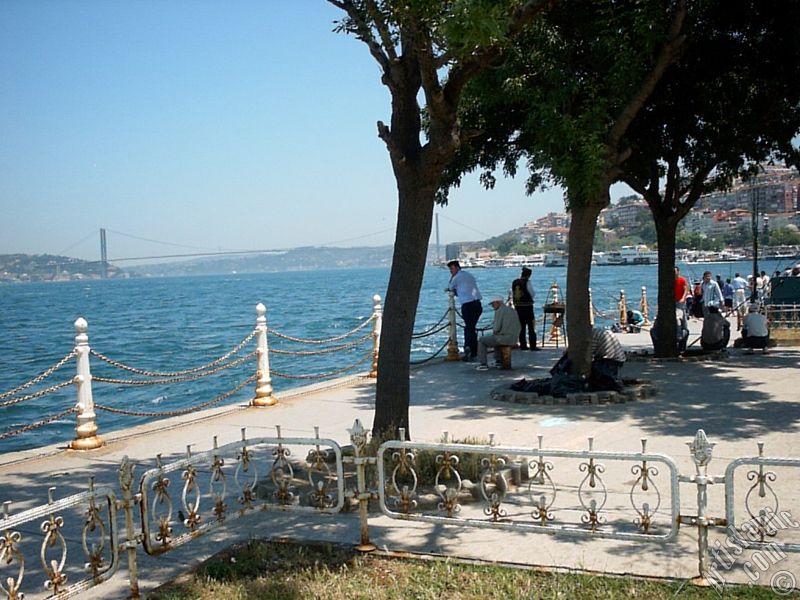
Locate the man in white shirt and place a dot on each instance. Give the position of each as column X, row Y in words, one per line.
column 755, row 331
column 712, row 295
column 739, row 285
column 469, row 297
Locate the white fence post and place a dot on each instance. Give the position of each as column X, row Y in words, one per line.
column 86, row 437
column 643, row 306
column 264, row 395
column 591, row 308
column 452, row 342
column 377, row 315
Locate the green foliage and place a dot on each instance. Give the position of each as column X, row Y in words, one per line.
column 784, row 236
column 695, row 241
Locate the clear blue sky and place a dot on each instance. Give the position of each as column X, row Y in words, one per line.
column 242, row 125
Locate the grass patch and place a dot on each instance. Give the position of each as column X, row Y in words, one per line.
column 285, row 571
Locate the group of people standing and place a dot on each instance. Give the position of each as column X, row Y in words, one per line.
column 510, row 326
column 711, row 297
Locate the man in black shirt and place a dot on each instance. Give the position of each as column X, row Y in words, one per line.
column 523, row 303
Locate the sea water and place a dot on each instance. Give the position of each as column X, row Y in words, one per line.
column 175, row 323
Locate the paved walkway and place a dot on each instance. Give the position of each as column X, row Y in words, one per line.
column 738, row 401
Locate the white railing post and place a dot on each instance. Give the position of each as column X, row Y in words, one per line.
column 452, row 342
column 591, row 308
column 86, row 437
column 643, row 305
column 623, row 308
column 377, row 315
column 264, row 395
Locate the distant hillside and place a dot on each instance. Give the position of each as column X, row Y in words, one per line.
column 45, row 267
column 297, row 259
column 48, row 267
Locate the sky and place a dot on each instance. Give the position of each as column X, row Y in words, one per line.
column 183, row 126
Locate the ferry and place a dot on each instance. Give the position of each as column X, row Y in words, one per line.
column 628, row 255
column 707, row 256
column 555, row 259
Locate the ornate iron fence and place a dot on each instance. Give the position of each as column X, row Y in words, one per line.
column 585, row 494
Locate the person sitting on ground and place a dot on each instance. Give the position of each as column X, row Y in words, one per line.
column 608, row 358
column 505, row 331
column 634, row 321
column 716, row 332
column 682, row 329
column 755, row 331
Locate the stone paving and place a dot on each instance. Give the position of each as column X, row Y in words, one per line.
column 739, row 400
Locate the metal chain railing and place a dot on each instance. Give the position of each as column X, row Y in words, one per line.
column 416, row 363
column 430, row 332
column 353, row 344
column 433, row 328
column 230, row 365
column 321, row 375
column 146, row 373
column 179, row 412
column 37, row 424
column 39, row 378
column 38, row 394
column 320, row 341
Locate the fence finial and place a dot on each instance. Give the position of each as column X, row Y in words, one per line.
column 86, row 437
column 264, row 395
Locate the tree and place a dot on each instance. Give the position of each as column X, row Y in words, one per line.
column 784, row 236
column 433, row 49
column 731, row 101
column 563, row 102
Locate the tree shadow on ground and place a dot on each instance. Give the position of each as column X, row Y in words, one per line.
column 727, row 397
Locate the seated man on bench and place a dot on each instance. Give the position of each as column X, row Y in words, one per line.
column 505, row 331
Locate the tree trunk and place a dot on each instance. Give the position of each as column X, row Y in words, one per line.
column 667, row 342
column 579, row 328
column 414, row 221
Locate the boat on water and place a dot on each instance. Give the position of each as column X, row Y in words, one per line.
column 555, row 259
column 627, row 255
column 707, row 256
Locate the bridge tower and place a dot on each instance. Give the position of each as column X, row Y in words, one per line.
column 103, row 254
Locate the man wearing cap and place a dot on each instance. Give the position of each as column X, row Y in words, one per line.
column 464, row 286
column 505, row 330
column 755, row 331
column 523, row 304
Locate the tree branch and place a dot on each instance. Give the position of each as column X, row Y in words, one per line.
column 363, row 31
column 383, row 29
column 669, row 51
column 465, row 70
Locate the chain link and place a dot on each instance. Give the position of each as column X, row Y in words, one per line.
column 37, row 424
column 39, row 378
column 38, row 394
column 233, row 363
column 352, row 344
column 204, row 367
column 322, row 375
column 176, row 413
column 430, row 330
column 417, row 363
column 326, row 341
